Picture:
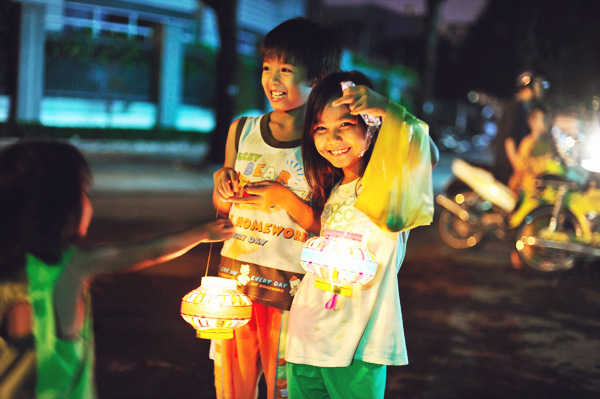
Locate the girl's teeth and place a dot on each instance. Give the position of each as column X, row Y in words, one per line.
column 339, row 152
column 277, row 94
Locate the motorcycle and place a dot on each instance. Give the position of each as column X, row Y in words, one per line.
column 553, row 238
column 481, row 206
column 554, row 224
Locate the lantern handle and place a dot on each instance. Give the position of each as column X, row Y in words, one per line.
column 211, row 244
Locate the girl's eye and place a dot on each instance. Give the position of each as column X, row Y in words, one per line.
column 288, row 70
column 347, row 124
column 319, row 129
column 266, row 68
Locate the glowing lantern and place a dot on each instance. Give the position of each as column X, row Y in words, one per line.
column 215, row 308
column 340, row 260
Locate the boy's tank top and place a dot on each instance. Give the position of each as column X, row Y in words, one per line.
column 264, row 253
column 64, row 368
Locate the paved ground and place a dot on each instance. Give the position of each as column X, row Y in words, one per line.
column 475, row 327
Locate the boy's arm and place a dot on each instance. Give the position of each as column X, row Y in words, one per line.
column 268, row 193
column 225, row 179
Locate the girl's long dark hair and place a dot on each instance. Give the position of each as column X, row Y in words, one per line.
column 320, row 174
column 41, row 186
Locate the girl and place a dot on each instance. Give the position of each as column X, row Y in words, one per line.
column 46, row 342
column 343, row 352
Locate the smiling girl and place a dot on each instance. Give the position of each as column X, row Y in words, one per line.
column 343, row 352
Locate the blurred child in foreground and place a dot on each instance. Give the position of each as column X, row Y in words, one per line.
column 46, row 335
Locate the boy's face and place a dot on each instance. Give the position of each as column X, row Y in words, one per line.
column 286, row 85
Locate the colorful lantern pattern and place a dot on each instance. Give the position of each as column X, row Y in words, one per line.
column 215, row 308
column 340, row 260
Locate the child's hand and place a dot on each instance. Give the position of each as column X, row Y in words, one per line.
column 362, row 100
column 218, row 230
column 263, row 194
column 226, row 183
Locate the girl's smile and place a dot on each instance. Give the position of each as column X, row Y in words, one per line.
column 340, row 139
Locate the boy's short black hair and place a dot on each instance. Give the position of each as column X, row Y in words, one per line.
column 305, row 42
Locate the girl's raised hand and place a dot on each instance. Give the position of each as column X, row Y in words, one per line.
column 218, row 230
column 226, row 183
column 362, row 100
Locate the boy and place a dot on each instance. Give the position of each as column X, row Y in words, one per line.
column 263, row 190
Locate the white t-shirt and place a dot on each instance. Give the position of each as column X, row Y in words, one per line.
column 367, row 326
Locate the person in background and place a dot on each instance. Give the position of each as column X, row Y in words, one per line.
column 533, row 155
column 512, row 126
column 46, row 335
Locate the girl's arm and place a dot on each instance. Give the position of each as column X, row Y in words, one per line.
column 85, row 265
column 362, row 100
column 267, row 194
column 226, row 183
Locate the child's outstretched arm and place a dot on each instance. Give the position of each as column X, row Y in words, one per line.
column 226, row 182
column 113, row 258
column 84, row 265
column 268, row 193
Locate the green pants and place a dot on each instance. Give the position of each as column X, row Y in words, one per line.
column 357, row 381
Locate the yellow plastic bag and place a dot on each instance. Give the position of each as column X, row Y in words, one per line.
column 397, row 190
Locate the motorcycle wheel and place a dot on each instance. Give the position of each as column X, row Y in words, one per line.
column 546, row 259
column 454, row 231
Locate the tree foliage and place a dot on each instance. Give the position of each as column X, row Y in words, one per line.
column 557, row 37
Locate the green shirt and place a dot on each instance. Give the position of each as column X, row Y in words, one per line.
column 65, row 368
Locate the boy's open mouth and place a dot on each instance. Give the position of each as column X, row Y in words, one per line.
column 277, row 94
column 339, row 152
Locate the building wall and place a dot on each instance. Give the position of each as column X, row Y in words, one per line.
column 193, row 20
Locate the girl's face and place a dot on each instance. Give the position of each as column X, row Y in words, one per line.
column 286, row 85
column 340, row 139
column 86, row 214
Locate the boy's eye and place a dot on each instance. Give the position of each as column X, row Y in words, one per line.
column 266, row 68
column 347, row 124
column 319, row 129
column 288, row 70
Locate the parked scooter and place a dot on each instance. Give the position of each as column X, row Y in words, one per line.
column 556, row 223
column 486, row 207
column 555, row 237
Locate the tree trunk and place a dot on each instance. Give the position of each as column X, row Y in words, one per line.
column 11, row 20
column 434, row 9
column 226, row 88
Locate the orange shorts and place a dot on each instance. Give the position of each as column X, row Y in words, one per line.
column 256, row 348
